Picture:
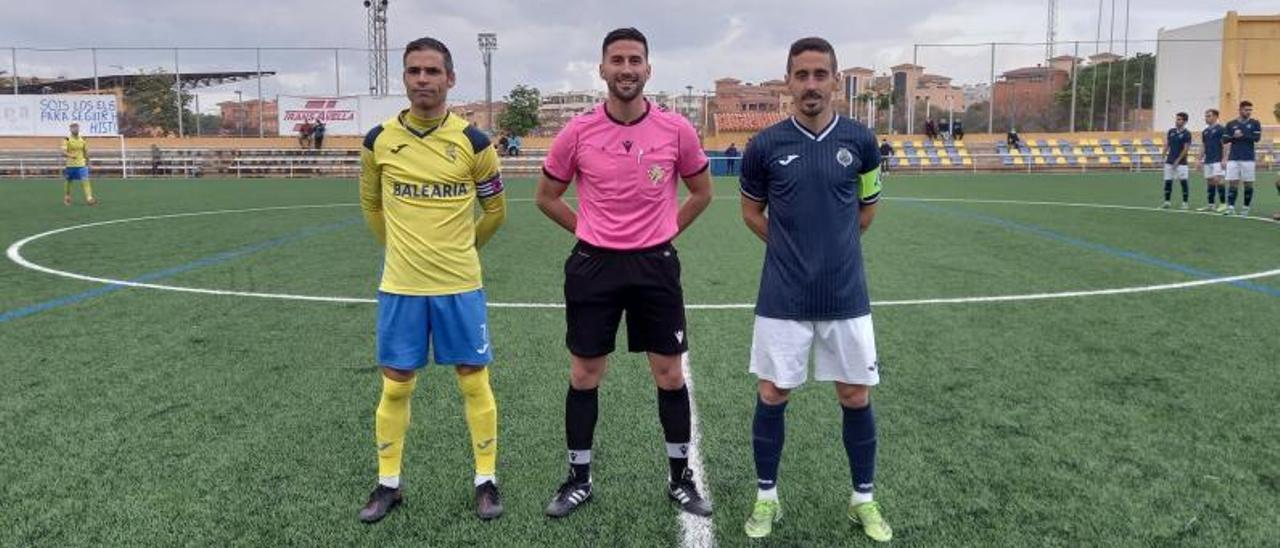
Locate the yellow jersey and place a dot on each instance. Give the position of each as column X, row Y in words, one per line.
column 418, row 192
column 77, row 150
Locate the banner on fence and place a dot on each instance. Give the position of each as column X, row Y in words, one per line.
column 351, row 115
column 50, row 115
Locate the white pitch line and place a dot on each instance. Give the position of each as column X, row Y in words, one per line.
column 695, row 531
column 14, row 253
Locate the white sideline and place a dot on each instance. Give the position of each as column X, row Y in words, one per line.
column 695, row 531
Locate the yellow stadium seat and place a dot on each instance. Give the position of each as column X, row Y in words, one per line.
column 1157, row 142
column 966, row 161
column 1126, row 160
column 1103, row 160
column 945, row 161
column 1040, row 160
column 926, row 161
column 1059, row 160
column 1017, row 160
column 1146, row 160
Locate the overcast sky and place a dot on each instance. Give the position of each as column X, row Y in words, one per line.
column 554, row 44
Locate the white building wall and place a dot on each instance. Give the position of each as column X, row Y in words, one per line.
column 1188, row 73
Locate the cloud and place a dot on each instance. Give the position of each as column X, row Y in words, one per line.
column 554, row 44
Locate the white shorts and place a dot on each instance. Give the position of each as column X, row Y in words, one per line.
column 1180, row 170
column 1241, row 171
column 844, row 351
column 1213, row 170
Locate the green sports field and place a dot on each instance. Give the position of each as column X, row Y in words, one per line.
column 139, row 416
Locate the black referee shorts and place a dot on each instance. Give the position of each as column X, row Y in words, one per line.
column 600, row 284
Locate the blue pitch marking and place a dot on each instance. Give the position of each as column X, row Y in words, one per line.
column 211, row 260
column 1103, row 248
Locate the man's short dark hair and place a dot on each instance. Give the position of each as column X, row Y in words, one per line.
column 1214, row 111
column 1245, row 104
column 427, row 43
column 812, row 43
column 1182, row 116
column 628, row 33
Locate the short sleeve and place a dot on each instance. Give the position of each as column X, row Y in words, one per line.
column 562, row 158
column 692, row 159
column 754, row 180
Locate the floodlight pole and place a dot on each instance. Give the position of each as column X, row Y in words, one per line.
column 258, row 54
column 991, row 103
column 1075, row 60
column 94, row 51
column 488, row 43
column 177, row 84
column 910, row 94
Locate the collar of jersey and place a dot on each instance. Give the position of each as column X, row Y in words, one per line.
column 647, row 106
column 819, row 137
column 416, row 133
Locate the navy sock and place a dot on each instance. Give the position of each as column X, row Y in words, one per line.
column 581, row 408
column 673, row 411
column 1186, row 191
column 1222, row 193
column 768, row 431
column 1213, row 192
column 1248, row 195
column 1168, row 189
column 1231, row 195
column 860, row 445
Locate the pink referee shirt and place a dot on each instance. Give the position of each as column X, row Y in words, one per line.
column 627, row 174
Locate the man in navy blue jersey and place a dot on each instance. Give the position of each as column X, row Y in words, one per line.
column 1241, row 134
column 817, row 175
column 1177, row 145
column 1211, row 159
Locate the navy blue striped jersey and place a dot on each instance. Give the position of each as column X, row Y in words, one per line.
column 815, row 186
column 1178, row 140
column 1242, row 146
column 1211, row 138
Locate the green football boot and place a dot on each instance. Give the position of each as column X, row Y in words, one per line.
column 873, row 524
column 763, row 516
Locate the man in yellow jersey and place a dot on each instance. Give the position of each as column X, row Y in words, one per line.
column 422, row 174
column 76, row 151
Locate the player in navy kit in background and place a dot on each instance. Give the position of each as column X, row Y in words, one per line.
column 1242, row 134
column 1177, row 145
column 1211, row 159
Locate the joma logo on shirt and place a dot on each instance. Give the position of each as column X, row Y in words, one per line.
column 429, row 190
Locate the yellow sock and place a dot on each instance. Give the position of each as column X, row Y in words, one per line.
column 88, row 190
column 482, row 420
column 391, row 424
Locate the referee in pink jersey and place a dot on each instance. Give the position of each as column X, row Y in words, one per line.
column 626, row 156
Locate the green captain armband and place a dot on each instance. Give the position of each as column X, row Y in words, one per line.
column 869, row 187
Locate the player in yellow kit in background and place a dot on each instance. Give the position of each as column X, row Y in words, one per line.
column 422, row 174
column 76, row 152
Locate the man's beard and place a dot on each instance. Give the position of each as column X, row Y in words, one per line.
column 637, row 90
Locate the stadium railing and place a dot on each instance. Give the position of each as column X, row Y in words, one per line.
column 1037, row 156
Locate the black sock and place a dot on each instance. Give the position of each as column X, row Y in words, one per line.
column 1248, row 195
column 1222, row 193
column 1231, row 195
column 1213, row 192
column 1186, row 191
column 673, row 411
column 1168, row 189
column 768, row 432
column 860, row 446
column 581, row 408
